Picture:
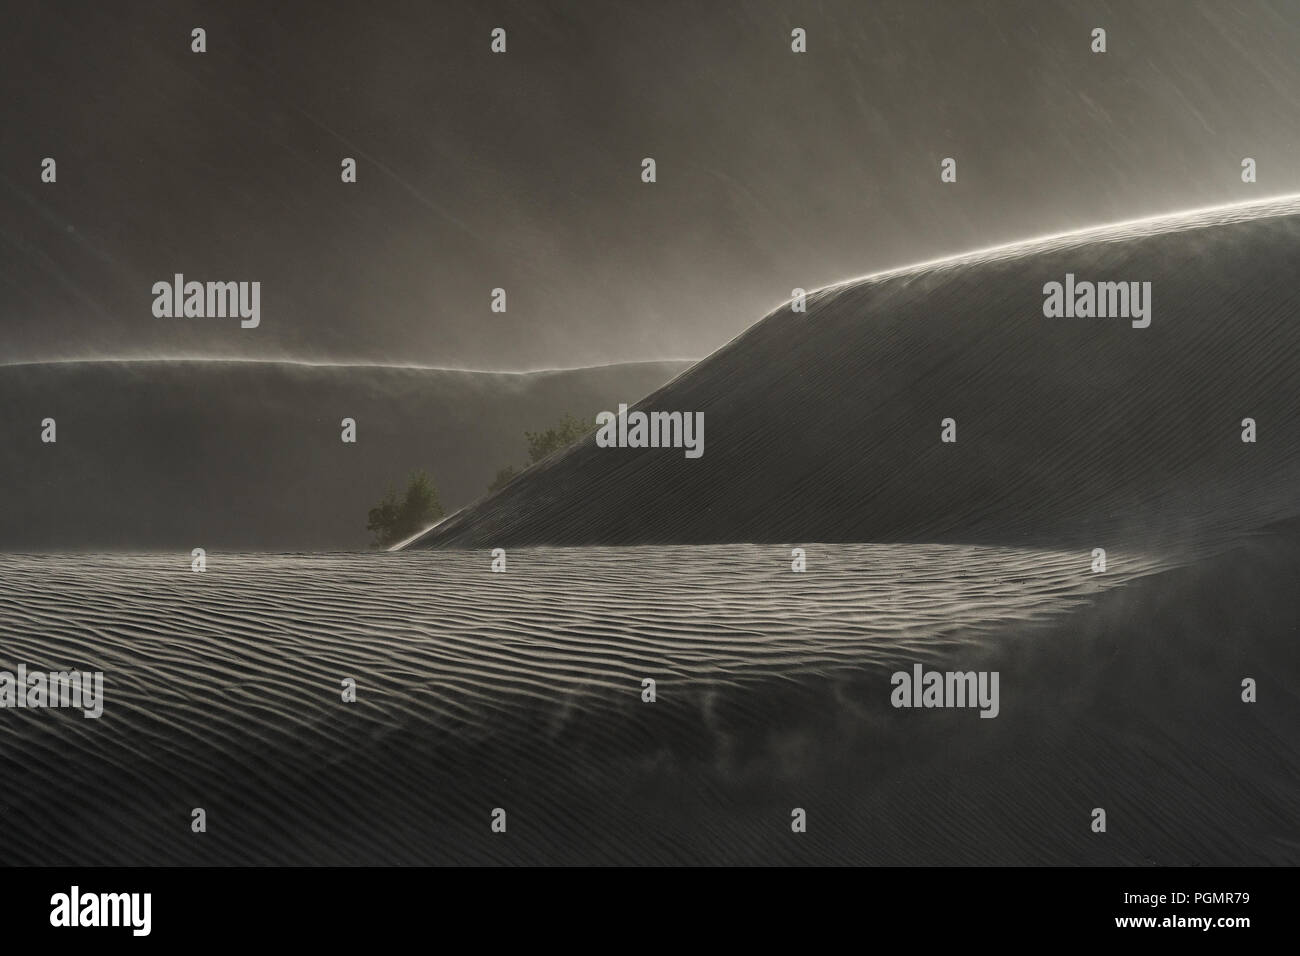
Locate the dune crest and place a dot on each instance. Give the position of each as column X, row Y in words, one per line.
column 826, row 425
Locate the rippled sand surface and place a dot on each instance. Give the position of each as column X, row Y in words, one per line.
column 522, row 690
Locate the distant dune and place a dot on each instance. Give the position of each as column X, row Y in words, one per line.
column 825, row 426
column 183, row 454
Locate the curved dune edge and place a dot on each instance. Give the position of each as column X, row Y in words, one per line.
column 825, row 426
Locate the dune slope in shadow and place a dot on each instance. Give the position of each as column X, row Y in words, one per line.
column 826, row 426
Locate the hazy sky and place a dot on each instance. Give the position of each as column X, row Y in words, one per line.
column 522, row 170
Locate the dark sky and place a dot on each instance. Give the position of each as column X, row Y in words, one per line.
column 523, row 171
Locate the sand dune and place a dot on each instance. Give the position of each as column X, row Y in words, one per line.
column 522, row 690
column 185, row 454
column 825, row 426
